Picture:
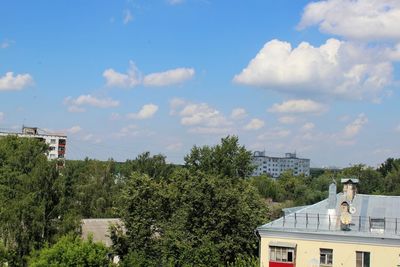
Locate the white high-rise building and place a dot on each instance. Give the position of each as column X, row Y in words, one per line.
column 56, row 142
column 275, row 166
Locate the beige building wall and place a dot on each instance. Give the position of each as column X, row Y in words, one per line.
column 344, row 254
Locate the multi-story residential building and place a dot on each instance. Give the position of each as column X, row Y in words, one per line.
column 346, row 230
column 275, row 166
column 56, row 142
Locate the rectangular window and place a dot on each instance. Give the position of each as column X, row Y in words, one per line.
column 281, row 254
column 362, row 259
column 325, row 257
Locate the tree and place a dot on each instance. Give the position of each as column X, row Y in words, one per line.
column 154, row 166
column 30, row 193
column 71, row 251
column 91, row 187
column 195, row 219
column 227, row 159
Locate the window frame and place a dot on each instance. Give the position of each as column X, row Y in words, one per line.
column 281, row 254
column 327, row 254
column 365, row 261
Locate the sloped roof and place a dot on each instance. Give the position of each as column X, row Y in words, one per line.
column 98, row 228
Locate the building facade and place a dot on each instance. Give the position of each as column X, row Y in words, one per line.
column 346, row 230
column 57, row 143
column 275, row 166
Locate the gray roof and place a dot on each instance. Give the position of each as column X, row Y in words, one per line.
column 318, row 219
column 98, row 228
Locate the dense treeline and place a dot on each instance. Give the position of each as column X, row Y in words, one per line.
column 202, row 213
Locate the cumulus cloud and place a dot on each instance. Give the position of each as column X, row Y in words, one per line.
column 202, row 114
column 354, row 19
column 146, row 112
column 200, row 117
column 335, row 68
column 74, row 129
column 13, row 82
column 254, row 124
column 133, row 77
column 298, row 106
column 353, row 128
column 127, row 16
column 168, row 77
column 238, row 113
column 75, row 104
column 124, row 80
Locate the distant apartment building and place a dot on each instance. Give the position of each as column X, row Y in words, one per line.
column 56, row 142
column 275, row 166
column 346, row 229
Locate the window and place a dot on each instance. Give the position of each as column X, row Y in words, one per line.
column 325, row 257
column 281, row 254
column 52, row 141
column 362, row 259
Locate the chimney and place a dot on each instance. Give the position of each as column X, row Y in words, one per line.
column 332, row 196
column 349, row 188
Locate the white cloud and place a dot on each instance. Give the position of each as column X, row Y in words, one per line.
column 276, row 133
column 124, row 80
column 89, row 100
column 398, row 128
column 127, row 16
column 15, row 82
column 254, row 124
column 200, row 117
column 355, row 19
column 133, row 77
column 146, row 112
column 238, row 113
column 353, row 128
column 287, row 119
column 202, row 114
column 335, row 68
column 298, row 106
column 1, row 116
column 169, row 77
column 115, row 116
column 74, row 129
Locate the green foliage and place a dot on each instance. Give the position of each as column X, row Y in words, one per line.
column 31, row 192
column 204, row 215
column 71, row 251
column 228, row 159
column 154, row 166
column 91, row 186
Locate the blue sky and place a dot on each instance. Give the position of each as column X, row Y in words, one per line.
column 124, row 77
